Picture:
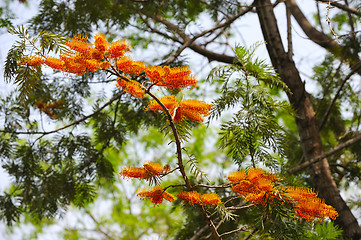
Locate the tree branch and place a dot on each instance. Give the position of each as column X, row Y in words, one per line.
column 289, row 31
column 343, row 7
column 73, row 123
column 339, row 147
column 354, row 68
column 320, row 38
column 234, row 231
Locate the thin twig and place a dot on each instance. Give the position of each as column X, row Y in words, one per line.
column 289, row 31
column 243, row 228
column 70, row 124
column 209, row 186
column 354, row 68
column 343, row 7
column 329, row 21
column 339, row 147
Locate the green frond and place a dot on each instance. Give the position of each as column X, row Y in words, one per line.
column 26, row 79
column 253, row 134
column 224, row 213
column 193, row 166
column 52, row 42
column 11, row 63
column 258, row 68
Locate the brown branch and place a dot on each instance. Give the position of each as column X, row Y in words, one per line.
column 339, row 147
column 350, row 19
column 209, row 186
column 289, row 31
column 70, row 124
column 319, row 15
column 343, row 7
column 234, row 231
column 320, row 38
column 329, row 21
column 311, row 32
column 98, row 225
column 191, row 41
column 354, row 68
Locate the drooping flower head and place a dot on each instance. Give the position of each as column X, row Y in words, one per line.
column 118, row 49
column 157, row 74
column 256, row 185
column 155, row 194
column 193, row 197
column 35, row 61
column 210, row 199
column 190, row 197
column 79, row 44
column 180, row 77
column 192, row 109
column 101, row 43
column 171, row 78
column 54, row 63
column 149, row 170
column 132, row 87
column 129, row 66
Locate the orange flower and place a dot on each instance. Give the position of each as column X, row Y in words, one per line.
column 244, row 188
column 104, row 65
column 79, row 45
column 71, row 66
column 315, row 208
column 170, row 102
column 154, row 168
column 155, row 194
column 132, row 87
column 236, row 177
column 157, row 74
column 257, row 185
column 54, row 63
column 100, row 43
column 96, row 54
column 180, row 77
column 91, row 65
column 128, row 66
column 134, row 172
column 117, row 49
column 258, row 198
column 32, row 61
column 299, row 194
column 210, row 199
column 149, row 170
column 191, row 109
column 190, row 197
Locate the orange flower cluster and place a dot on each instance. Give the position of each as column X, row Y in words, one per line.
column 149, row 170
column 256, row 185
column 129, row 66
column 260, row 186
column 156, row 194
column 178, row 77
column 308, row 206
column 87, row 57
column 132, row 87
column 34, row 61
column 192, row 109
column 193, row 197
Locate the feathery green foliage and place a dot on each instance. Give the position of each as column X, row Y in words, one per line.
column 253, row 134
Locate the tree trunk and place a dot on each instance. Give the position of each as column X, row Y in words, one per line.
column 305, row 119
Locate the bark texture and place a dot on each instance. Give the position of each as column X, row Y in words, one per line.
column 305, row 119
